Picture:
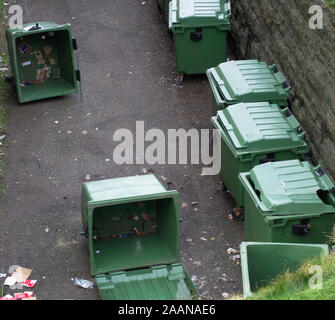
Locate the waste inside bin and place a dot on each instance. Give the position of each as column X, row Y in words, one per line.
column 247, row 81
column 42, row 60
column 132, row 229
column 200, row 32
column 252, row 134
column 288, row 201
column 263, row 262
column 164, row 6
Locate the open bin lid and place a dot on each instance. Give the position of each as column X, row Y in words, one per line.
column 261, row 127
column 293, row 187
column 199, row 13
column 250, row 81
column 167, row 282
column 135, row 266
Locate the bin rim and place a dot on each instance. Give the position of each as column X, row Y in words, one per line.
column 20, row 32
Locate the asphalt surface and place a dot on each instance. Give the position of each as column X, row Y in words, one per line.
column 128, row 68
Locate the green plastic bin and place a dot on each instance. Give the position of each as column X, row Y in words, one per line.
column 132, row 230
column 263, row 262
column 247, row 81
column 42, row 60
column 288, row 201
column 200, row 32
column 164, row 6
column 252, row 134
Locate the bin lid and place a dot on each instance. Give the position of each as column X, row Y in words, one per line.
column 261, row 126
column 121, row 189
column 200, row 13
column 166, row 282
column 250, row 81
column 293, row 187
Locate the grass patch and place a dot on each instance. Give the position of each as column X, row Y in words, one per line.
column 331, row 3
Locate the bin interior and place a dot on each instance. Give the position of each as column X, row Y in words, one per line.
column 266, row 262
column 136, row 234
column 45, row 63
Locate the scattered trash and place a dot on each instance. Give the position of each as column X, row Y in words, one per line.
column 203, row 239
column 212, row 238
column 87, row 178
column 194, row 203
column 189, row 240
column 3, row 275
column 197, row 263
column 235, row 258
column 194, row 278
column 7, row 297
column 28, row 294
column 86, row 284
column 225, row 295
column 21, row 274
column 84, row 132
column 29, row 283
column 184, row 205
column 10, row 281
column 47, row 230
column 232, row 251
column 195, row 209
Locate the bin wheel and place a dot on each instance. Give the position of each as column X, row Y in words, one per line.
column 179, row 79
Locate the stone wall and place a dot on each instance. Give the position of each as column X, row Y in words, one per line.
column 277, row 31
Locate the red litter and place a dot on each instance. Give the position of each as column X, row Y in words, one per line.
column 23, row 295
column 29, row 283
column 7, row 297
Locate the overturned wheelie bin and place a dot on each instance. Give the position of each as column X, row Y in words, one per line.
column 132, row 229
column 42, row 60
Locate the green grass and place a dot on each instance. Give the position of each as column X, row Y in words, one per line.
column 331, row 3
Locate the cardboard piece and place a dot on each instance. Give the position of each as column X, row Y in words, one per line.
column 21, row 274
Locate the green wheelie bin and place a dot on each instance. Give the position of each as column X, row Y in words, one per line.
column 247, row 81
column 132, row 230
column 200, row 31
column 263, row 262
column 252, row 134
column 42, row 60
column 288, row 201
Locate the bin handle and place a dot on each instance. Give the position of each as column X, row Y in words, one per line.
column 301, row 229
column 36, row 27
